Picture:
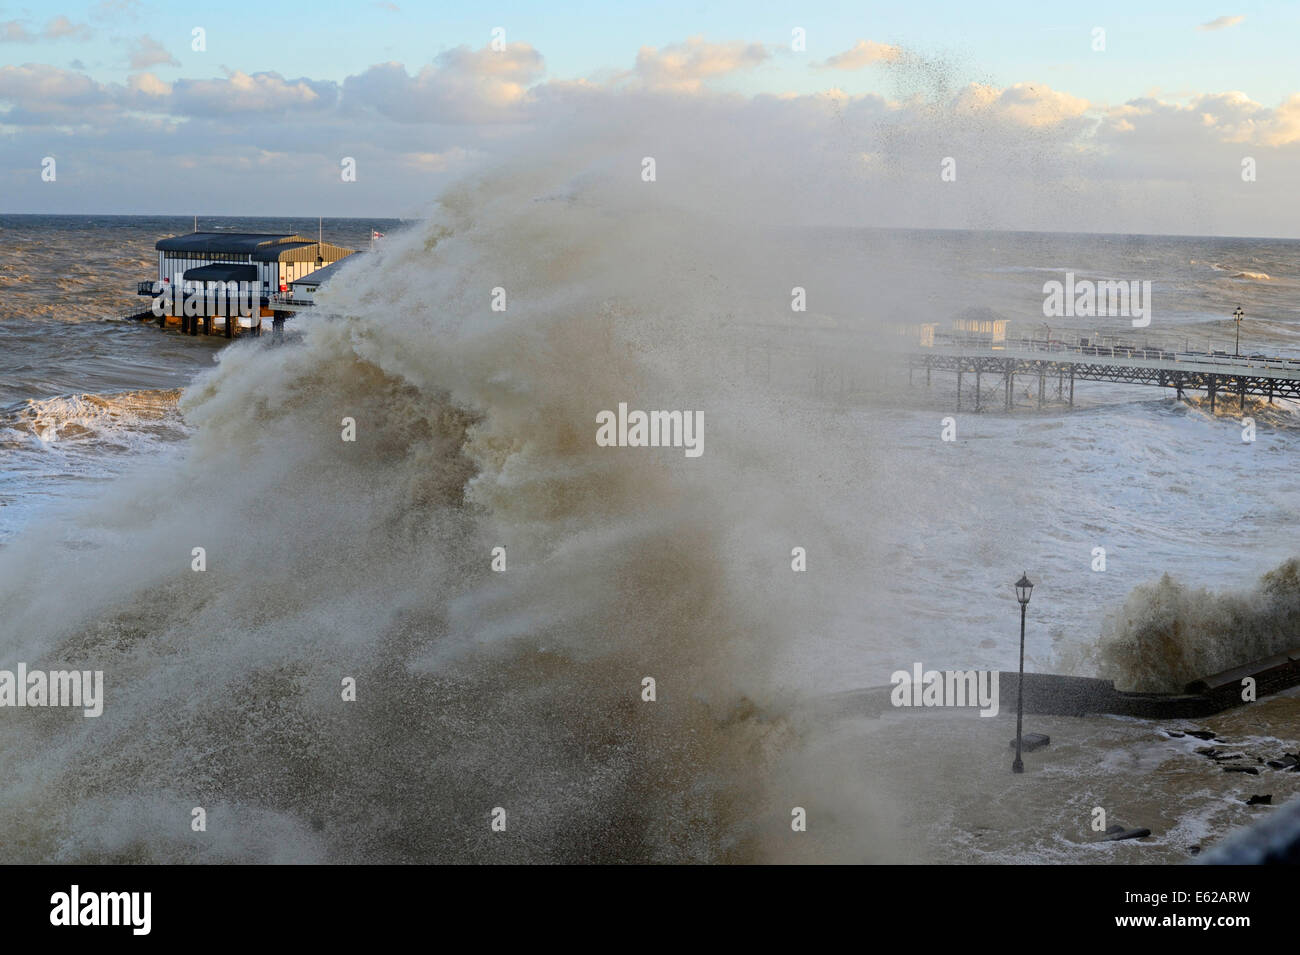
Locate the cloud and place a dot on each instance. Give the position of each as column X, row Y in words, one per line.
column 462, row 86
column 116, row 10
column 684, row 67
column 415, row 128
column 148, row 85
column 241, row 93
column 1211, row 119
column 58, row 28
column 1221, row 23
column 863, row 53
column 385, row 5
column 149, row 52
column 1024, row 104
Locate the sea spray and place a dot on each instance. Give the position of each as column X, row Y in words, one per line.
column 1168, row 634
column 330, row 561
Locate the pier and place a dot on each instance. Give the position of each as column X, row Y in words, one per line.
column 1058, row 365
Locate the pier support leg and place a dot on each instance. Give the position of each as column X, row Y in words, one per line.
column 277, row 328
column 1178, row 384
column 207, row 324
column 185, row 324
column 1071, row 386
column 1212, row 383
column 959, row 389
column 194, row 324
column 977, row 389
column 231, row 319
column 1042, row 378
column 1270, row 392
column 1241, row 393
column 927, row 373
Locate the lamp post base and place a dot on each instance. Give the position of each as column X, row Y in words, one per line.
column 1017, row 766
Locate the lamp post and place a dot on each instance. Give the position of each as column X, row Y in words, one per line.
column 1023, row 589
column 1238, row 315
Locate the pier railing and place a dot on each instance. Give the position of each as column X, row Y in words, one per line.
column 1038, row 346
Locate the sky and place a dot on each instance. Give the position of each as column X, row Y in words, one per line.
column 1136, row 116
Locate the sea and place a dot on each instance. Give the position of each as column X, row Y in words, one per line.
column 498, row 589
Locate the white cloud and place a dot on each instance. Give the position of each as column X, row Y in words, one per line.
column 1221, row 23
column 58, row 28
column 243, row 92
column 684, row 67
column 462, row 86
column 1025, row 104
column 149, row 52
column 863, row 53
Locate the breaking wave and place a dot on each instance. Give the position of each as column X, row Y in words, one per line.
column 1167, row 634
column 370, row 560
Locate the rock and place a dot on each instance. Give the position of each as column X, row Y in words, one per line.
column 1128, row 834
column 1194, row 850
column 1221, row 759
column 1032, row 741
column 1202, row 734
column 1174, row 734
column 1251, row 770
column 1260, row 800
column 1209, row 751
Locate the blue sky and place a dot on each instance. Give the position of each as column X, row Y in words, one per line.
column 1155, row 47
column 1153, row 130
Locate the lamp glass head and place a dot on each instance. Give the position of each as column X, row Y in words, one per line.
column 1023, row 589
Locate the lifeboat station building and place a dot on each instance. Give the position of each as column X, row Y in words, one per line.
column 269, row 262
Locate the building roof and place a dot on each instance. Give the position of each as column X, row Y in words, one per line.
column 238, row 242
column 261, row 246
column 222, row 272
column 322, row 275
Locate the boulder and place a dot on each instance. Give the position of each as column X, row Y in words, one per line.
column 1032, row 741
column 1126, row 834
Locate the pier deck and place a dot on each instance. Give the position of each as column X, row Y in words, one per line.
column 1215, row 374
